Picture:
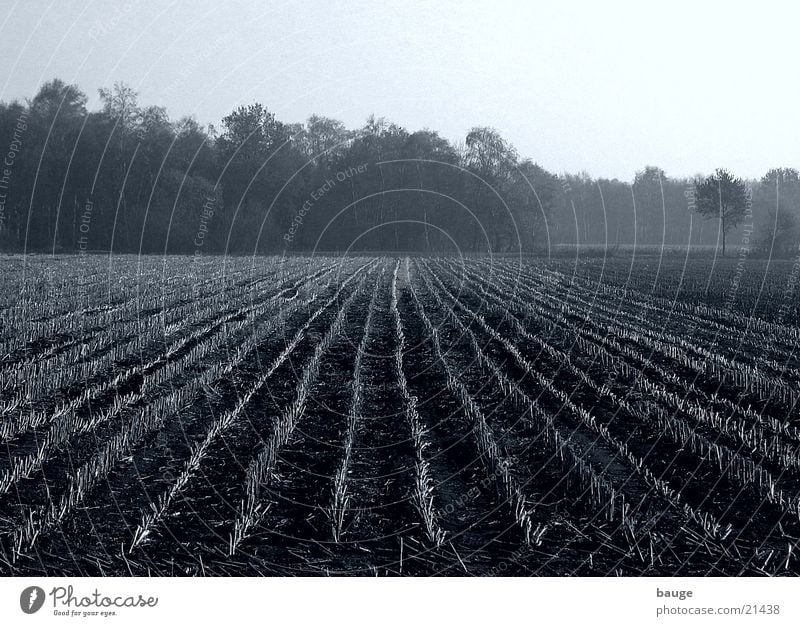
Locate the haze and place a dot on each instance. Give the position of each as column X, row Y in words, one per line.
column 576, row 87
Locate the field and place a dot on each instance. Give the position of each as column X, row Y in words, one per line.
column 396, row 416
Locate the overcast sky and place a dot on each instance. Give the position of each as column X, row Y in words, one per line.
column 574, row 86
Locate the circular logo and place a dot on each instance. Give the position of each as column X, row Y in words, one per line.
column 31, row 599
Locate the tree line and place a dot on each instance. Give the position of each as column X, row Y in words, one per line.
column 127, row 178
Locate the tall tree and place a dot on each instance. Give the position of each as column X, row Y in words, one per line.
column 493, row 160
column 777, row 200
column 56, row 113
column 324, row 139
column 532, row 197
column 648, row 191
column 724, row 197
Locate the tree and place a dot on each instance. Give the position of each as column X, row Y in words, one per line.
column 781, row 236
column 57, row 112
column 121, row 104
column 325, row 139
column 493, row 160
column 778, row 201
column 648, row 188
column 433, row 170
column 779, row 190
column 127, row 178
column 253, row 130
column 724, row 197
column 531, row 197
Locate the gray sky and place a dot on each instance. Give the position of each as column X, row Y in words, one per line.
column 606, row 89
